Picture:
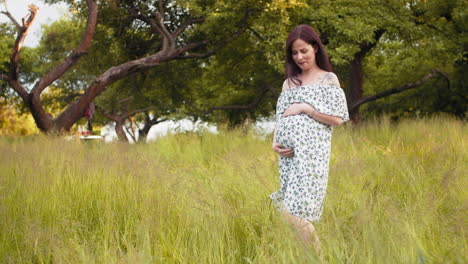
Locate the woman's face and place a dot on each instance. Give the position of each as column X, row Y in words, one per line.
column 303, row 54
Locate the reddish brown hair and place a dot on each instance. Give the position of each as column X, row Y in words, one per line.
column 307, row 34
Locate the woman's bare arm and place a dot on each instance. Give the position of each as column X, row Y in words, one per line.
column 323, row 118
column 299, row 108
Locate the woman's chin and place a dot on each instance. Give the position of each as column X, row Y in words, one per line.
column 303, row 67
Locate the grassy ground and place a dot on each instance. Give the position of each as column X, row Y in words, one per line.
column 397, row 194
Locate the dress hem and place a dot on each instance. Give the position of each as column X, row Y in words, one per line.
column 281, row 208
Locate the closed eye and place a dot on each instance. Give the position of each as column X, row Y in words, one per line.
column 303, row 51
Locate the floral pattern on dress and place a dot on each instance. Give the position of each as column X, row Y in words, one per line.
column 304, row 177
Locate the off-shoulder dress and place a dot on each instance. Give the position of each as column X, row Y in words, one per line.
column 304, row 177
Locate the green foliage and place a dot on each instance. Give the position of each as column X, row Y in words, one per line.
column 396, row 195
column 6, row 46
column 236, row 75
column 120, row 38
column 418, row 36
column 14, row 123
column 440, row 43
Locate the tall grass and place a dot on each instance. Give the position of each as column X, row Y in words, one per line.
column 397, row 194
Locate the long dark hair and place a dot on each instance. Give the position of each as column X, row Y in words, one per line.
column 307, row 34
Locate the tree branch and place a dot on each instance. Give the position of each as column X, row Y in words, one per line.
column 157, row 25
column 168, row 40
column 72, row 59
column 250, row 106
column 256, row 33
column 8, row 14
column 156, row 121
column 399, row 89
column 153, row 121
column 130, row 131
column 234, row 35
column 161, row 8
column 143, row 132
column 190, row 46
column 189, row 21
column 134, row 112
column 366, row 46
column 125, row 100
column 106, row 114
column 15, row 56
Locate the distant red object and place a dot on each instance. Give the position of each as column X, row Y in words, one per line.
column 90, row 111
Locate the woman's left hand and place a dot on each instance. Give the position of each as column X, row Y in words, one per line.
column 295, row 109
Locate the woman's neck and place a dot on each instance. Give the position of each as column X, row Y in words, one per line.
column 314, row 69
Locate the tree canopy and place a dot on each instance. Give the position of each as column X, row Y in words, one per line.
column 222, row 61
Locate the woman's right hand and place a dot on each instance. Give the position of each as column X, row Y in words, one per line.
column 284, row 152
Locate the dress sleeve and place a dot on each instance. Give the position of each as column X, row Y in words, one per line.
column 335, row 99
column 335, row 103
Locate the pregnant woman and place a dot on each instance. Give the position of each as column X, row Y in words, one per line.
column 310, row 104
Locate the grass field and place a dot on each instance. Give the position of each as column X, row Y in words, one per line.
column 397, row 194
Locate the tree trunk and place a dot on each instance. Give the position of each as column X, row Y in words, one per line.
column 143, row 133
column 356, row 82
column 120, row 131
column 44, row 120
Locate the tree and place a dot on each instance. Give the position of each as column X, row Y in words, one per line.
column 237, row 84
column 377, row 46
column 442, row 45
column 180, row 30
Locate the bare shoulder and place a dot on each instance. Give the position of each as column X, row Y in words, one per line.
column 331, row 79
column 286, row 85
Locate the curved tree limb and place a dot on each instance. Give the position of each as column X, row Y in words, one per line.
column 72, row 59
column 399, row 89
column 120, row 119
column 15, row 56
column 156, row 23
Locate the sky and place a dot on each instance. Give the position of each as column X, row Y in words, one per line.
column 46, row 15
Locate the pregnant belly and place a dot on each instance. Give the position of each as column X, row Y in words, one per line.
column 289, row 128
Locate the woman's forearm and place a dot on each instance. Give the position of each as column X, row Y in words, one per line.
column 323, row 118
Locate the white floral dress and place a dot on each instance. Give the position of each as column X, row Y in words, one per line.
column 304, row 177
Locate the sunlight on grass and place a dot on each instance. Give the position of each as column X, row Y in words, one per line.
column 397, row 194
